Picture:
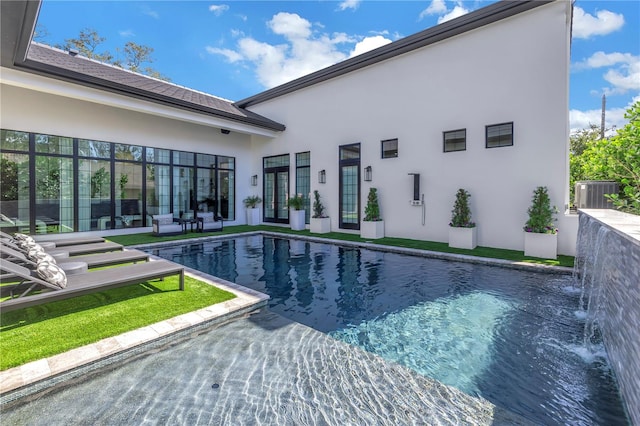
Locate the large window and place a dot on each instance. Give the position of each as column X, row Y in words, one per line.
column 499, row 135
column 455, row 140
column 349, row 156
column 303, row 180
column 58, row 184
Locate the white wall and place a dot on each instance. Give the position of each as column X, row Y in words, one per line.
column 513, row 70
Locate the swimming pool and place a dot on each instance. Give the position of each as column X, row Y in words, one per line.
column 387, row 324
column 512, row 337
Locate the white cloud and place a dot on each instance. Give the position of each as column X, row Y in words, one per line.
column 614, row 118
column 349, row 4
column 218, row 9
column 623, row 70
column 290, row 25
column 367, row 44
column 455, row 12
column 586, row 25
column 150, row 12
column 439, row 7
column 436, row 7
column 126, row 33
column 231, row 55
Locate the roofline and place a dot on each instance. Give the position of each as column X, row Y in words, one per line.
column 471, row 21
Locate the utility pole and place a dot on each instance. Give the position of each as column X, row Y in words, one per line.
column 604, row 105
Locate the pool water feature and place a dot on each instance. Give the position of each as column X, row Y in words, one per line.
column 512, row 337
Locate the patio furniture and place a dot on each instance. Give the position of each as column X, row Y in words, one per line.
column 207, row 221
column 70, row 241
column 63, row 287
column 76, row 250
column 166, row 224
column 92, row 260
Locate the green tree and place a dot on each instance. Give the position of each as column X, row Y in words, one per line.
column 461, row 213
column 541, row 213
column 618, row 158
column 578, row 143
column 89, row 43
column 8, row 180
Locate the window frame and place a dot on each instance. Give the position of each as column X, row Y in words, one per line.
column 486, row 135
column 382, row 150
column 444, row 140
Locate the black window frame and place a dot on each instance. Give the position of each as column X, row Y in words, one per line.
column 383, row 151
column 500, row 145
column 444, row 140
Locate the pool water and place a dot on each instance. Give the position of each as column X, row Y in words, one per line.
column 512, row 337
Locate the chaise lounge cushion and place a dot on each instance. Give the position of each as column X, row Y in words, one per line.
column 52, row 273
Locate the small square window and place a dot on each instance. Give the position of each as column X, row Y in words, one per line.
column 455, row 140
column 499, row 135
column 389, row 148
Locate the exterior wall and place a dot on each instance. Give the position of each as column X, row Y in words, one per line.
column 29, row 110
column 513, row 70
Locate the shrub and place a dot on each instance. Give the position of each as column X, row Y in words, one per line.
column 541, row 213
column 318, row 208
column 296, row 202
column 252, row 201
column 461, row 213
column 372, row 210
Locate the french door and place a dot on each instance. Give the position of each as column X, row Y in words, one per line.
column 276, row 187
column 349, row 186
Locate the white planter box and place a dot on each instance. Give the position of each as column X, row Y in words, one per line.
column 544, row 246
column 372, row 230
column 253, row 216
column 320, row 225
column 465, row 238
column 296, row 220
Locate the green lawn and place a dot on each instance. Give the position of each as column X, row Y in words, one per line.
column 513, row 255
column 34, row 333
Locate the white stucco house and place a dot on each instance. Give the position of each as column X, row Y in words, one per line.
column 479, row 102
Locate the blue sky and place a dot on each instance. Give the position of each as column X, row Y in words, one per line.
column 236, row 49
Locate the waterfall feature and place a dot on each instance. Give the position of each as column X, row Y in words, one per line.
column 607, row 265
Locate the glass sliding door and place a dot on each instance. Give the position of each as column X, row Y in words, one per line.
column 303, row 180
column 349, row 182
column 276, row 189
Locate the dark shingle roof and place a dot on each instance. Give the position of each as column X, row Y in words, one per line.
column 105, row 76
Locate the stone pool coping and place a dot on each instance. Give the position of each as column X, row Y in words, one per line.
column 33, row 377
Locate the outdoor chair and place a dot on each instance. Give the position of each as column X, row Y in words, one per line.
column 76, row 250
column 57, row 286
column 207, row 221
column 67, row 241
column 92, row 260
column 166, row 224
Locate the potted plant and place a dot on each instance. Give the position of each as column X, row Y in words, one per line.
column 296, row 212
column 372, row 226
column 540, row 233
column 253, row 212
column 320, row 223
column 462, row 230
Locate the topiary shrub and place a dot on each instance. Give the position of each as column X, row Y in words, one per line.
column 541, row 213
column 372, row 210
column 461, row 213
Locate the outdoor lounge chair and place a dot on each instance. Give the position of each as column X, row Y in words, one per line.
column 92, row 260
column 81, row 284
column 71, row 241
column 76, row 250
column 166, row 224
column 207, row 221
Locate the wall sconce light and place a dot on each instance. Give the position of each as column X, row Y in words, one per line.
column 254, row 180
column 225, row 131
column 368, row 175
column 322, row 176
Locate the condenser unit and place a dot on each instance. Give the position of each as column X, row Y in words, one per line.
column 590, row 194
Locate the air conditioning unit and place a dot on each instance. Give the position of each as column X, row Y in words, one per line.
column 590, row 194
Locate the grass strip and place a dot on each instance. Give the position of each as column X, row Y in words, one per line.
column 493, row 253
column 42, row 331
